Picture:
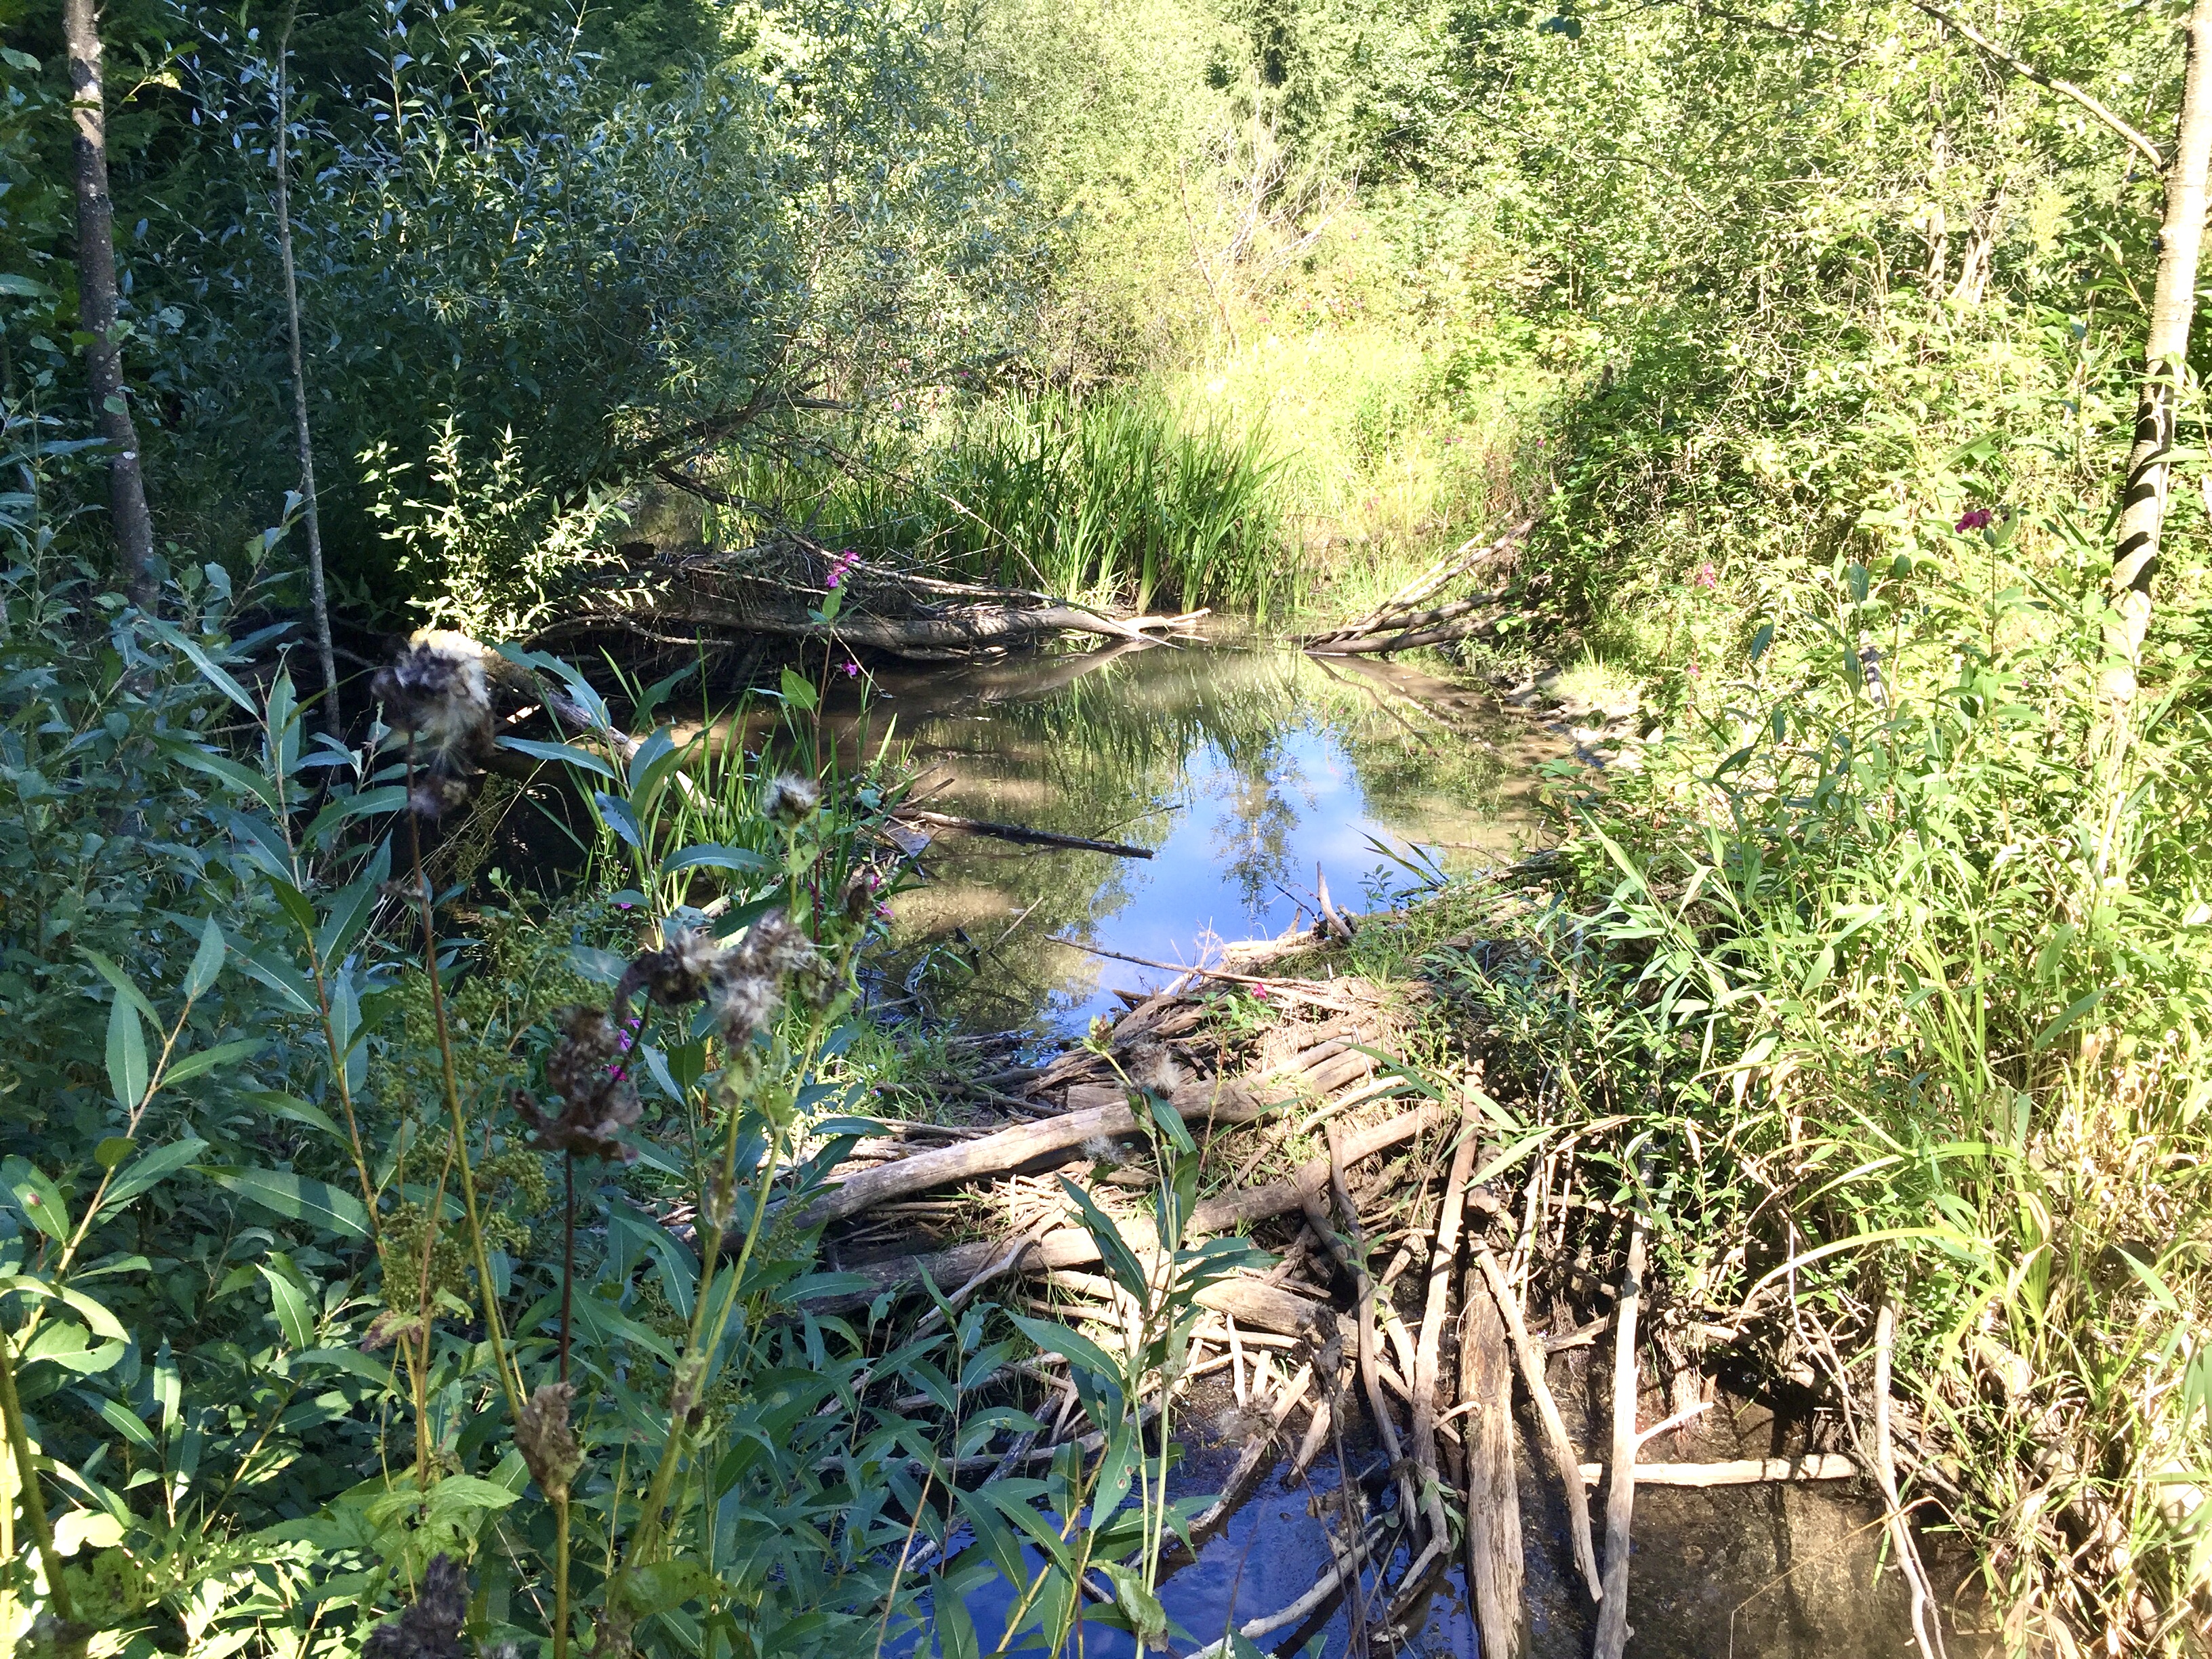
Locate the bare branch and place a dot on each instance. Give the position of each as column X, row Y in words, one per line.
column 2021, row 66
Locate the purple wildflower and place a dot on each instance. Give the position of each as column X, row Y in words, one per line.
column 1705, row 578
column 1979, row 518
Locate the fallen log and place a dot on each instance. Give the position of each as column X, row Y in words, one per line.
column 926, row 638
column 1495, row 1564
column 1262, row 1306
column 1011, row 1148
column 1464, row 557
column 1074, row 1247
column 1736, row 1472
column 1021, row 832
column 1383, row 644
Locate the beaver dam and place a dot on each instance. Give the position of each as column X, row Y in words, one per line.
column 1402, row 1432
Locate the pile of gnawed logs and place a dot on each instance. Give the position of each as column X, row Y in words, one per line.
column 1409, row 619
column 1321, row 1335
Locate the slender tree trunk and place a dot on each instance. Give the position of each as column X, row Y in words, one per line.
column 317, row 595
column 95, row 280
column 2150, row 463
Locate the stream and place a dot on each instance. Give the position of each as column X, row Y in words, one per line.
column 1251, row 775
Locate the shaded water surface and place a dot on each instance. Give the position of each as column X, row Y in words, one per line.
column 1242, row 771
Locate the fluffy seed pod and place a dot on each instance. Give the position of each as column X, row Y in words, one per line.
column 435, row 691
column 791, row 798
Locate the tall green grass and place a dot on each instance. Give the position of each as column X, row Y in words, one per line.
column 1114, row 500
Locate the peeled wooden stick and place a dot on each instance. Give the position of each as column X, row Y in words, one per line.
column 1737, row 1470
column 1074, row 1247
column 1620, row 1485
column 1442, row 1254
column 1306, row 1605
column 1258, row 1453
column 1351, row 1249
column 1317, row 1430
column 1927, row 1627
column 1564, row 1463
column 1495, row 1568
column 1009, row 1149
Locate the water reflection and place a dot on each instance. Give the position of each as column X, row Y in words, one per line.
column 1245, row 772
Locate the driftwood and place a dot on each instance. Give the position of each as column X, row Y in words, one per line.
column 1737, row 1470
column 1350, row 1248
column 1394, row 611
column 1010, row 1149
column 1531, row 1355
column 1074, row 1247
column 1927, row 1625
column 1620, row 1483
column 1019, row 832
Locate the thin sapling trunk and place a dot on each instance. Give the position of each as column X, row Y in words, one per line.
column 318, row 595
column 96, row 305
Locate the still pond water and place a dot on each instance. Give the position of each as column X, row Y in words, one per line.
column 1252, row 775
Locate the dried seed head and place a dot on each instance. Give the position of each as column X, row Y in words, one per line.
column 431, row 1629
column 680, row 972
column 744, row 1005
column 436, row 690
column 546, row 1441
column 588, row 1050
column 775, row 947
column 436, row 792
column 791, row 798
column 598, row 1101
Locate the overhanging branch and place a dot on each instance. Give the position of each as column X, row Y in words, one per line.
column 2021, row 66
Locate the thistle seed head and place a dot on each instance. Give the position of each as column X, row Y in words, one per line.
column 791, row 798
column 599, row 1102
column 431, row 1629
column 745, row 1003
column 680, row 972
column 435, row 689
column 775, row 946
column 543, row 1437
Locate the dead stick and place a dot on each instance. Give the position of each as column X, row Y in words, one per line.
column 1620, row 1483
column 1020, row 832
column 1927, row 1629
column 1442, row 1254
column 1351, row 1248
column 1736, row 1472
column 1564, row 1463
column 1074, row 1247
column 1251, row 1465
column 1495, row 1567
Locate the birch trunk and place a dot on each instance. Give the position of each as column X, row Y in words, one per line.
column 2150, row 462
